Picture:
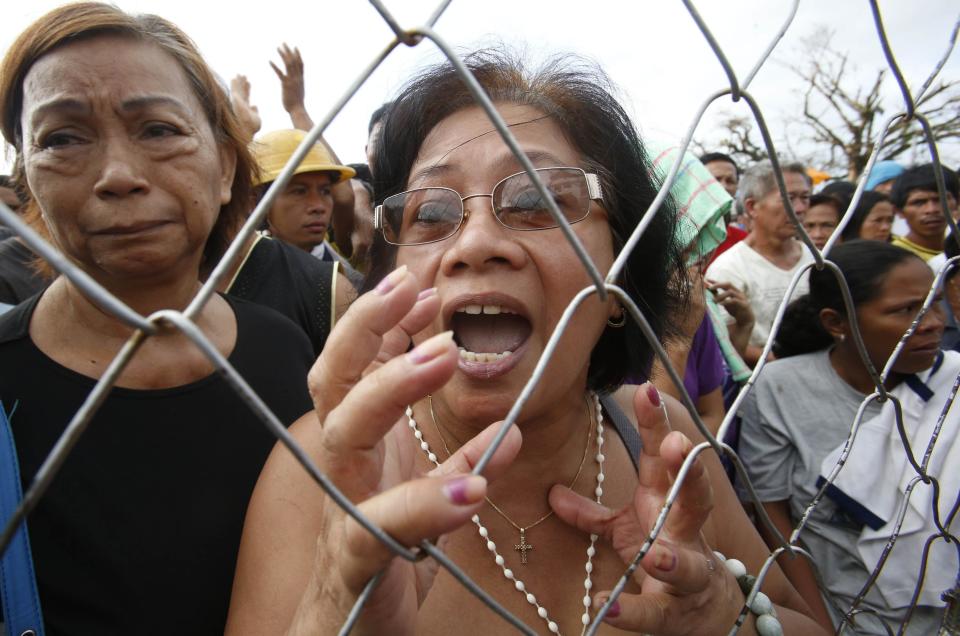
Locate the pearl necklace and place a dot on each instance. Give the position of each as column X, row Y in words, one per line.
column 492, row 547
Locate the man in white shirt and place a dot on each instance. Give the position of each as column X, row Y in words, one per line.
column 763, row 264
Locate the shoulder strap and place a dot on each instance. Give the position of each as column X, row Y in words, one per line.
column 18, row 583
column 624, row 427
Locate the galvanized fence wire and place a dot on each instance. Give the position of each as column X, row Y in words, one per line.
column 737, row 90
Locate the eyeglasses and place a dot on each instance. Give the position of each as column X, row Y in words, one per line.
column 427, row 215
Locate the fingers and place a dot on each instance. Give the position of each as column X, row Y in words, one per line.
column 290, row 57
column 647, row 613
column 411, row 512
column 696, row 587
column 686, row 570
column 280, row 74
column 653, row 427
column 580, row 512
column 695, row 498
column 397, row 340
column 375, row 403
column 469, row 454
column 356, row 338
column 240, row 86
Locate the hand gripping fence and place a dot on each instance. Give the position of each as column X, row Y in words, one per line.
column 737, row 90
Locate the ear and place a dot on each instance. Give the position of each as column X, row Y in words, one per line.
column 228, row 170
column 749, row 206
column 834, row 323
column 615, row 310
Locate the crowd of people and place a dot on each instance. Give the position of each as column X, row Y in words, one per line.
column 390, row 312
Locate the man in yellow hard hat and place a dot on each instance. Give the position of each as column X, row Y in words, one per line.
column 303, row 212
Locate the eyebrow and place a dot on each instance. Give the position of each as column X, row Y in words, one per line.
column 146, row 101
column 77, row 106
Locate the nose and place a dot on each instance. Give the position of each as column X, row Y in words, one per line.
column 934, row 320
column 319, row 203
column 482, row 241
column 800, row 205
column 120, row 173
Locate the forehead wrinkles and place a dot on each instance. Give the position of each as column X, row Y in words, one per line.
column 460, row 143
column 105, row 70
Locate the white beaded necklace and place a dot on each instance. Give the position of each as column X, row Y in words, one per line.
column 492, row 547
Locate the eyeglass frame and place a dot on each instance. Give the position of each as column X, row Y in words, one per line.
column 594, row 193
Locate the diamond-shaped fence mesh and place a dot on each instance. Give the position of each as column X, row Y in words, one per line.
column 737, row 90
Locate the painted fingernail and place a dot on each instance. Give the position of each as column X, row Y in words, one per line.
column 614, row 610
column 465, row 490
column 391, row 281
column 430, row 349
column 666, row 560
column 427, row 293
column 653, row 395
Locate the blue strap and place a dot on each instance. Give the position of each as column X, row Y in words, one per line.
column 21, row 602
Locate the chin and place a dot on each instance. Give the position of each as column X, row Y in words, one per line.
column 481, row 404
column 149, row 266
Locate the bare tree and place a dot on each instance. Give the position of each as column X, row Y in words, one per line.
column 736, row 139
column 843, row 117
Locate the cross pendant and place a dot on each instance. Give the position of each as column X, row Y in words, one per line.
column 522, row 547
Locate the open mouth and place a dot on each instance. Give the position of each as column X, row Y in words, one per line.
column 489, row 332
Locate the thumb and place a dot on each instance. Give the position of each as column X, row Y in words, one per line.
column 576, row 510
column 411, row 512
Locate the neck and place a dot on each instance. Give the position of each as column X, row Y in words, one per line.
column 143, row 299
column 925, row 242
column 772, row 247
column 552, row 451
column 845, row 360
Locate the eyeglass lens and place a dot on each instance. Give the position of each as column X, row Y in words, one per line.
column 433, row 214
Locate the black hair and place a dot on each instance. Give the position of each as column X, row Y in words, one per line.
column 868, row 200
column 578, row 97
column 378, row 116
column 826, row 199
column 362, row 170
column 864, row 265
column 842, row 191
column 710, row 157
column 921, row 178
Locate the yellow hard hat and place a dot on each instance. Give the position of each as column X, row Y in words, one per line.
column 274, row 149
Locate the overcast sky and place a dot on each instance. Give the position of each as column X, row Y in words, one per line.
column 651, row 49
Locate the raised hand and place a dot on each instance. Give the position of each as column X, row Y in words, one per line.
column 247, row 113
column 293, row 89
column 358, row 436
column 683, row 588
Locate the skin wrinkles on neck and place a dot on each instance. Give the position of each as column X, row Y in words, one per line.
column 782, row 252
column 176, row 296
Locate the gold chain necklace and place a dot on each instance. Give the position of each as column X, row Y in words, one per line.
column 523, row 547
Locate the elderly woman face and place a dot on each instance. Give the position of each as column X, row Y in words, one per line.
column 504, row 290
column 121, row 159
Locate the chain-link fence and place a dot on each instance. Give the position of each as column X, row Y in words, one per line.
column 737, row 90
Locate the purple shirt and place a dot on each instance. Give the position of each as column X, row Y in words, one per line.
column 704, row 372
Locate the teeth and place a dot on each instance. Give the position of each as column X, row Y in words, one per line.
column 485, row 309
column 471, row 356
